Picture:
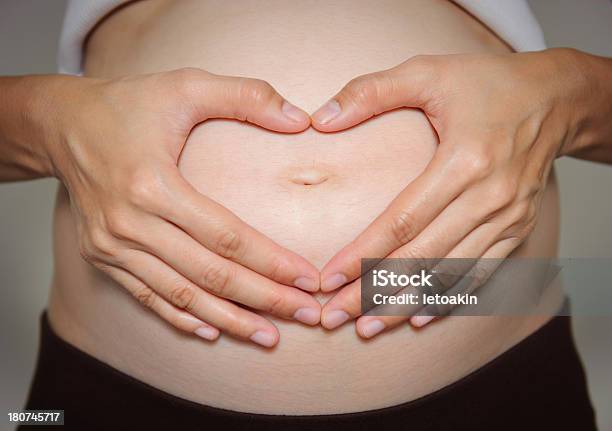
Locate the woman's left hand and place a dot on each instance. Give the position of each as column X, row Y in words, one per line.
column 501, row 121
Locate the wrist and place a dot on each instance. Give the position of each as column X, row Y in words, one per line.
column 27, row 112
column 51, row 106
column 588, row 97
column 57, row 103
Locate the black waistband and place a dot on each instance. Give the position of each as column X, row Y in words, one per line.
column 537, row 384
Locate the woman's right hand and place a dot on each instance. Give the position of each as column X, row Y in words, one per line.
column 116, row 146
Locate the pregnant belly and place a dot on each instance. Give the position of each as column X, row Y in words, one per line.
column 310, row 192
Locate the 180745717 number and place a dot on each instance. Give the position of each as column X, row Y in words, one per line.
column 37, row 417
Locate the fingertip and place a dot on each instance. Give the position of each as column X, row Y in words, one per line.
column 333, row 281
column 334, row 318
column 286, row 118
column 333, row 117
column 344, row 267
column 369, row 327
column 299, row 117
column 324, row 116
column 293, row 270
column 308, row 315
column 420, row 321
column 207, row 332
column 308, row 284
column 190, row 323
column 265, row 338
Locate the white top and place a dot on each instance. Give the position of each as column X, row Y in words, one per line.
column 511, row 20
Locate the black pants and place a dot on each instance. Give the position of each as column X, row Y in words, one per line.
column 538, row 384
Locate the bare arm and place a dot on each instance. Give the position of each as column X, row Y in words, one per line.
column 115, row 146
column 502, row 120
column 22, row 136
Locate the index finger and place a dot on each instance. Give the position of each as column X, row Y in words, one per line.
column 407, row 215
column 225, row 234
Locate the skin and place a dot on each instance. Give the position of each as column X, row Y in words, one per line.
column 480, row 195
column 247, row 170
column 139, row 125
column 416, row 224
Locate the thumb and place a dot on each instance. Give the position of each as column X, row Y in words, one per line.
column 245, row 99
column 372, row 94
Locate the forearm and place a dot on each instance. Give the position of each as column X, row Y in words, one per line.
column 29, row 111
column 590, row 138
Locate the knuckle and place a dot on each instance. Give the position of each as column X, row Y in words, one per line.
column 480, row 274
column 278, row 264
column 145, row 296
column 237, row 326
column 118, row 226
column 101, row 242
column 184, row 297
column 86, row 253
column 403, row 227
column 217, row 278
column 184, row 78
column 146, row 189
column 522, row 213
column 275, row 304
column 255, row 91
column 363, row 91
column 93, row 244
column 475, row 164
column 504, row 192
column 229, row 244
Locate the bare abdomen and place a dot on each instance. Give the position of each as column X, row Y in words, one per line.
column 310, row 192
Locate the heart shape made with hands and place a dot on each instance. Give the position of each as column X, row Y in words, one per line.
column 333, row 183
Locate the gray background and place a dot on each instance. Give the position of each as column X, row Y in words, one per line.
column 29, row 31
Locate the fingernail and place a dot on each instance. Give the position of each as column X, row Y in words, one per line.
column 306, row 283
column 263, row 338
column 333, row 282
column 309, row 316
column 372, row 328
column 335, row 318
column 327, row 112
column 419, row 321
column 207, row 332
column 293, row 112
